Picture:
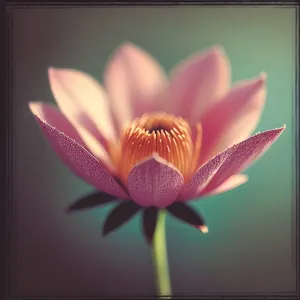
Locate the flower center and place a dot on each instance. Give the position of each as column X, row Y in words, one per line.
column 168, row 136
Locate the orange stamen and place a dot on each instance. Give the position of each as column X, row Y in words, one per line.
column 168, row 136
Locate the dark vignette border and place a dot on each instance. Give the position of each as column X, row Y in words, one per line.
column 7, row 228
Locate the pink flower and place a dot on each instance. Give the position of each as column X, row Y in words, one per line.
column 156, row 141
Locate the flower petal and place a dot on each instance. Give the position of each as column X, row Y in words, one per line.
column 187, row 214
column 50, row 114
column 119, row 215
column 134, row 82
column 154, row 182
column 91, row 200
column 231, row 161
column 197, row 83
column 203, row 175
column 234, row 118
column 81, row 162
column 229, row 184
column 84, row 103
column 244, row 154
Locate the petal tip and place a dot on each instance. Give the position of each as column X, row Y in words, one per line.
column 216, row 52
column 260, row 81
column 217, row 49
column 34, row 107
column 51, row 70
column 52, row 73
column 155, row 156
column 279, row 130
column 263, row 76
column 245, row 178
column 203, row 229
column 126, row 48
column 127, row 45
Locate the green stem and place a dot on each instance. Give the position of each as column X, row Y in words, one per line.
column 160, row 257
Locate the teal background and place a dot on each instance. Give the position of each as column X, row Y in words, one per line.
column 249, row 248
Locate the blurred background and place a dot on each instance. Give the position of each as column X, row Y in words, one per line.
column 250, row 246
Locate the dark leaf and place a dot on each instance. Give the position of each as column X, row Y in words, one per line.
column 91, row 200
column 120, row 215
column 149, row 222
column 187, row 214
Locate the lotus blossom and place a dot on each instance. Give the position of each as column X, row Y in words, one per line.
column 155, row 139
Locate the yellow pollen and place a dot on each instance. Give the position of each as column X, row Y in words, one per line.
column 168, row 136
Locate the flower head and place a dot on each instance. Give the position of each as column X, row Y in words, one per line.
column 152, row 140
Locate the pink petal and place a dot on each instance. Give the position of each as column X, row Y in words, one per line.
column 50, row 114
column 197, row 83
column 203, row 175
column 81, row 162
column 154, row 182
column 232, row 161
column 245, row 154
column 234, row 118
column 134, row 82
column 84, row 103
column 229, row 184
